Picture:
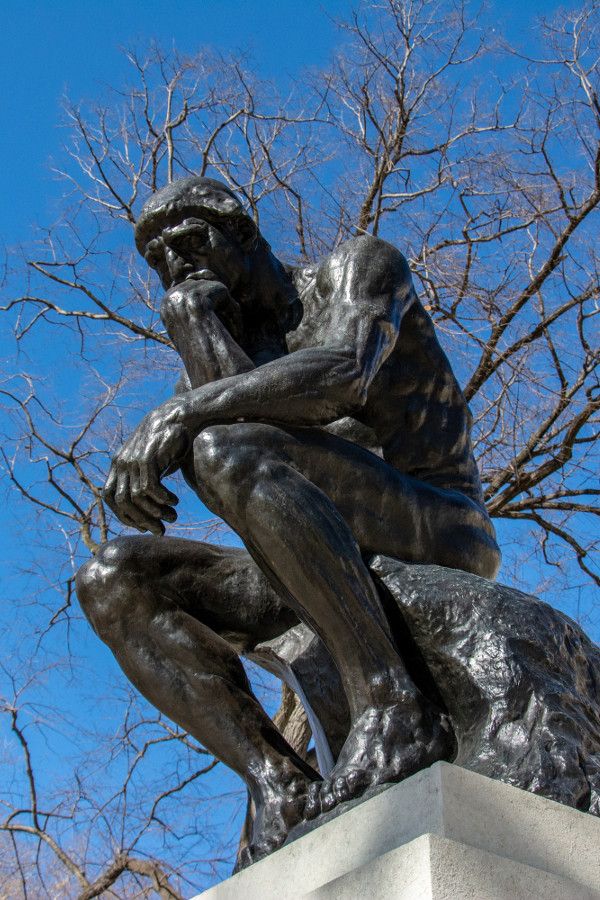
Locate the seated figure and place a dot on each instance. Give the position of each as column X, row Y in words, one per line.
column 319, row 417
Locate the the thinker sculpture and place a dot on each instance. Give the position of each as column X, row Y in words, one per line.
column 319, row 417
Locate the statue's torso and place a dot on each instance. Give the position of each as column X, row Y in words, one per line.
column 415, row 416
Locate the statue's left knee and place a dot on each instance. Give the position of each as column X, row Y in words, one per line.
column 229, row 457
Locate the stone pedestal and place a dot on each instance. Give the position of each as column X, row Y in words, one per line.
column 444, row 834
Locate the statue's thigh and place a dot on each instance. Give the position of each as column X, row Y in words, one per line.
column 388, row 512
column 220, row 586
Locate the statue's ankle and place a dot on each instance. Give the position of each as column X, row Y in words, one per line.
column 390, row 688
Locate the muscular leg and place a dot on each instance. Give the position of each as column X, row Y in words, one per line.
column 142, row 596
column 308, row 505
column 153, row 601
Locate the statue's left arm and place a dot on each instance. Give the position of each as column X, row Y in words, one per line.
column 366, row 286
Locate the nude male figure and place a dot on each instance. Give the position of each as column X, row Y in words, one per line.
column 278, row 360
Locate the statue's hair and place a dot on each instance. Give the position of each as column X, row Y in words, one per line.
column 203, row 198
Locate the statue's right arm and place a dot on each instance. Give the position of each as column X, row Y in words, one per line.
column 366, row 287
column 198, row 324
column 200, row 317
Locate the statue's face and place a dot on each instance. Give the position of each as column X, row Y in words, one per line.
column 193, row 248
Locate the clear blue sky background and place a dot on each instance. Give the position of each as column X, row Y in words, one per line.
column 73, row 47
column 48, row 49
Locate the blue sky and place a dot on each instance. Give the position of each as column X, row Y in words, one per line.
column 48, row 49
column 52, row 48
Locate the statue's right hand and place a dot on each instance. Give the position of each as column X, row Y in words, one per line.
column 199, row 296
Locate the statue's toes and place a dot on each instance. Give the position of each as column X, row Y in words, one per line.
column 266, row 846
column 245, row 859
column 341, row 789
column 328, row 798
column 349, row 786
column 312, row 807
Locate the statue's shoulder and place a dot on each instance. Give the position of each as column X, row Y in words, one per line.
column 367, row 258
column 365, row 246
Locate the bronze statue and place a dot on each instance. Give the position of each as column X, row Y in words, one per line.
column 319, row 417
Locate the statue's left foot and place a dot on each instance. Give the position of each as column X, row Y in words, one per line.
column 385, row 745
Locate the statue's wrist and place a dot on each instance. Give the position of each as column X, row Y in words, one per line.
column 173, row 412
column 184, row 411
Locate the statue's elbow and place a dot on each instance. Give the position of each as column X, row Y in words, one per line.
column 359, row 390
column 349, row 384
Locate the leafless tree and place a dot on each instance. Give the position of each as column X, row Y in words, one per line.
column 490, row 185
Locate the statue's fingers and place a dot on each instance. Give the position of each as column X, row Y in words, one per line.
column 151, row 485
column 127, row 521
column 123, row 505
column 142, row 495
column 155, row 526
column 131, row 514
column 110, row 486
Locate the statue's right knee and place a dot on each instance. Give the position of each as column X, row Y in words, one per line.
column 104, row 587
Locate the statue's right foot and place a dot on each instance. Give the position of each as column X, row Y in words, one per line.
column 386, row 745
column 282, row 806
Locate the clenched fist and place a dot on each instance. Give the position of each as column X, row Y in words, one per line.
column 198, row 296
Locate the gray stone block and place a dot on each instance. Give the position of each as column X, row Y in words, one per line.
column 434, row 868
column 444, row 831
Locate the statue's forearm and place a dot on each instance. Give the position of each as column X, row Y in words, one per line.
column 309, row 387
column 312, row 386
column 209, row 353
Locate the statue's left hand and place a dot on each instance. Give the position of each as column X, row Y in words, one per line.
column 133, row 488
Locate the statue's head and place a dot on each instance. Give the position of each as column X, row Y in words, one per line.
column 187, row 223
column 197, row 228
